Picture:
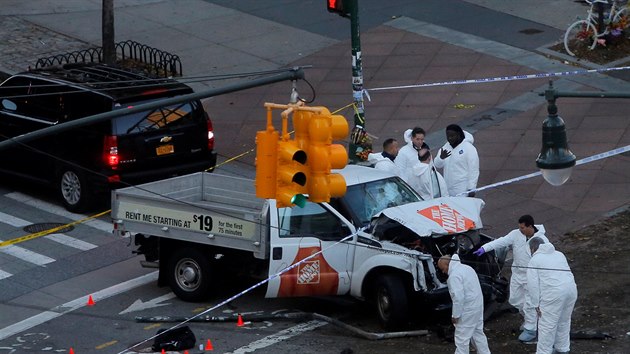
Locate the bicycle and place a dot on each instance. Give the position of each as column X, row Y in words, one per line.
column 585, row 34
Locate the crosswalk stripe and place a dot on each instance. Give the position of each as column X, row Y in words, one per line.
column 12, row 220
column 19, row 252
column 26, row 255
column 70, row 241
column 55, row 209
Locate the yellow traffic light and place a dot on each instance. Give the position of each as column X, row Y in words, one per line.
column 323, row 155
column 266, row 163
column 291, row 174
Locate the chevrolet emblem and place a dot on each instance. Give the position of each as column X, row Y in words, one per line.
column 166, row 139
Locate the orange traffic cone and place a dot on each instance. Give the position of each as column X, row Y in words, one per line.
column 90, row 301
column 240, row 322
column 209, row 345
column 71, row 351
column 163, row 351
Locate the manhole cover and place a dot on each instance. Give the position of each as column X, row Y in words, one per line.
column 530, row 31
column 47, row 226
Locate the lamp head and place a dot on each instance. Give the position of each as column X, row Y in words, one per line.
column 555, row 159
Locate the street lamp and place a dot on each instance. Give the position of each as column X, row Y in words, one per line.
column 555, row 159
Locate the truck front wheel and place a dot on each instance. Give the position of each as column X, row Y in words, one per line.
column 189, row 274
column 391, row 301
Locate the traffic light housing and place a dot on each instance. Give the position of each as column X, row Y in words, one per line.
column 291, row 174
column 341, row 7
column 266, row 163
column 287, row 169
column 324, row 156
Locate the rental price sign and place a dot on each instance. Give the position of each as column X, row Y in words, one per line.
column 202, row 221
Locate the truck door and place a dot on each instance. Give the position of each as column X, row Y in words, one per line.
column 302, row 232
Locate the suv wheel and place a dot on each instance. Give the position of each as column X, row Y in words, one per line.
column 73, row 189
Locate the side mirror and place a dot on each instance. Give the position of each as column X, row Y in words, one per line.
column 9, row 105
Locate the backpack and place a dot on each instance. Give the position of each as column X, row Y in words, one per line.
column 175, row 339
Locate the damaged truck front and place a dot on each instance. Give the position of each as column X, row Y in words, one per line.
column 380, row 242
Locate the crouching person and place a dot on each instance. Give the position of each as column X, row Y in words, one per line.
column 467, row 315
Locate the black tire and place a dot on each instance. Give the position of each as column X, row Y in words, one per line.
column 73, row 189
column 391, row 300
column 189, row 274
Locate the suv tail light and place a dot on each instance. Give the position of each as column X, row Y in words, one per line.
column 110, row 151
column 210, row 135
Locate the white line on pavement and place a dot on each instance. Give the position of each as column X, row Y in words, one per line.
column 71, row 242
column 4, row 274
column 76, row 304
column 55, row 209
column 13, row 221
column 26, row 255
column 278, row 337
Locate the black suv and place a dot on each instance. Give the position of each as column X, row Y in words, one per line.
column 86, row 162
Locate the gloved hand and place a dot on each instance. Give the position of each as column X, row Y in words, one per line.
column 479, row 252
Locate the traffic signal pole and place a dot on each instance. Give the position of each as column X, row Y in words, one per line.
column 359, row 130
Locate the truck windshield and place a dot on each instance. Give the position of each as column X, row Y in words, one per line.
column 367, row 199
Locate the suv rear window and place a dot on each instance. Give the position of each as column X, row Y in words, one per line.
column 159, row 118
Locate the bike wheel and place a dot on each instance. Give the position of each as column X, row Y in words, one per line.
column 580, row 37
column 621, row 20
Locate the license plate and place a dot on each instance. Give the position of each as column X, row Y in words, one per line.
column 165, row 149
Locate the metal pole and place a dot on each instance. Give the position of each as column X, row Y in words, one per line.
column 292, row 74
column 357, row 79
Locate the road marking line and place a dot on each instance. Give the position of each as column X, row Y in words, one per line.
column 55, row 209
column 4, row 274
column 71, row 242
column 105, row 345
column 13, row 221
column 26, row 255
column 280, row 336
column 76, row 304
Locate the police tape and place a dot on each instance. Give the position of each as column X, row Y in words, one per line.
column 499, row 79
column 585, row 160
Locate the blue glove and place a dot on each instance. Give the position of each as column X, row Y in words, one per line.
column 479, row 252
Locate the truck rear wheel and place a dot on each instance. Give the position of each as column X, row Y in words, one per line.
column 189, row 274
column 391, row 301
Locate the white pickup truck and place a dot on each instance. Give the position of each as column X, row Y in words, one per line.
column 197, row 226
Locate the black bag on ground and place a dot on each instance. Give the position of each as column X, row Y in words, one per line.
column 176, row 339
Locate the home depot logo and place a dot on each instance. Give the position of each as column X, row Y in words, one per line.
column 308, row 273
column 449, row 219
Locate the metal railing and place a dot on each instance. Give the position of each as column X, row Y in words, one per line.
column 153, row 61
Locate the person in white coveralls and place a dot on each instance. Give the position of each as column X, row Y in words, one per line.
column 385, row 160
column 426, row 180
column 467, row 298
column 459, row 162
column 553, row 292
column 518, row 239
column 408, row 155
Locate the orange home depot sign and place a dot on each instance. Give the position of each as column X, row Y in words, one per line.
column 312, row 277
column 448, row 218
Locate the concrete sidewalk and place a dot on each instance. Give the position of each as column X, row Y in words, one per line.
column 505, row 116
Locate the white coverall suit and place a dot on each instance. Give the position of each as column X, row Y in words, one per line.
column 461, row 168
column 463, row 285
column 407, row 157
column 518, row 282
column 427, row 181
column 383, row 163
column 554, row 293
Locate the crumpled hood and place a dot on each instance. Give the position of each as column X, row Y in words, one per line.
column 445, row 215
